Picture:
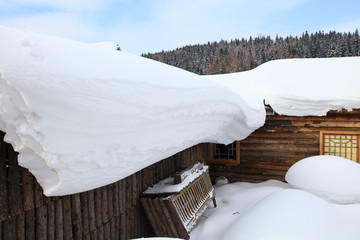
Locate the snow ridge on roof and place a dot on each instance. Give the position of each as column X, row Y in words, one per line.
column 82, row 116
column 300, row 87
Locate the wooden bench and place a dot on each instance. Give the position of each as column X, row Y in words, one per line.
column 174, row 205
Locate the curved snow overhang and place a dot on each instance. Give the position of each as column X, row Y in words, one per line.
column 82, row 116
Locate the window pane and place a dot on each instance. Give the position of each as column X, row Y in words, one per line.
column 344, row 145
column 225, row 151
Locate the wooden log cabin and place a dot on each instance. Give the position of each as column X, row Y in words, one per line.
column 283, row 140
column 114, row 211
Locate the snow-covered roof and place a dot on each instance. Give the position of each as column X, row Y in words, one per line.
column 82, row 116
column 300, row 87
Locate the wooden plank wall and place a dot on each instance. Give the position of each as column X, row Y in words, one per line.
column 282, row 141
column 111, row 212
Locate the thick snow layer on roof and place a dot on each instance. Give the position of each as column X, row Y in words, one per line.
column 82, row 116
column 333, row 178
column 301, row 87
column 110, row 45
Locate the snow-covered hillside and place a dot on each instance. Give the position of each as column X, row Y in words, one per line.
column 82, row 116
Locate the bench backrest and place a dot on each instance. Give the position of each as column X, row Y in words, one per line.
column 175, row 214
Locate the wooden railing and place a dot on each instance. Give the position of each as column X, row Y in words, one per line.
column 174, row 210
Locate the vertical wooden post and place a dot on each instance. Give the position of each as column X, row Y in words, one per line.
column 27, row 183
column 51, row 221
column 110, row 196
column 238, row 152
column 92, row 214
column 104, row 205
column 76, row 216
column 39, row 197
column 113, row 227
column 59, row 232
column 14, row 187
column 85, row 213
column 20, row 226
column 4, row 212
column 30, row 224
column 67, row 224
column 123, row 226
column 97, row 198
column 134, row 189
column 41, row 223
column 116, row 195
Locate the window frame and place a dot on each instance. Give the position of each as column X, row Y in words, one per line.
column 322, row 133
column 225, row 161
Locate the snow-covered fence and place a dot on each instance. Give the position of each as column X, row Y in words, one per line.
column 110, row 212
column 175, row 204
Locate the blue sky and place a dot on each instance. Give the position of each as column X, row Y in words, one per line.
column 142, row 26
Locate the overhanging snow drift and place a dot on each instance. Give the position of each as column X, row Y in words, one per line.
column 301, row 87
column 83, row 116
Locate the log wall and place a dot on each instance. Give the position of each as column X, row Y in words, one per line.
column 111, row 212
column 269, row 151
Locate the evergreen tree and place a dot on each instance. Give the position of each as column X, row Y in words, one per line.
column 241, row 55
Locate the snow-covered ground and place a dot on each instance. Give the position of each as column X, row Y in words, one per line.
column 275, row 210
column 83, row 115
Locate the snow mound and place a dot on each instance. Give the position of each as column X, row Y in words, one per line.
column 272, row 211
column 300, row 87
column 82, row 116
column 335, row 179
column 284, row 215
column 233, row 200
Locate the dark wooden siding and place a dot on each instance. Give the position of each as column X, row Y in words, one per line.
column 111, row 212
column 282, row 141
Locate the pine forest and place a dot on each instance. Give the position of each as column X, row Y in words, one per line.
column 245, row 54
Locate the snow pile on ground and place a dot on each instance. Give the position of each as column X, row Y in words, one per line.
column 82, row 116
column 301, row 87
column 333, row 178
column 274, row 210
